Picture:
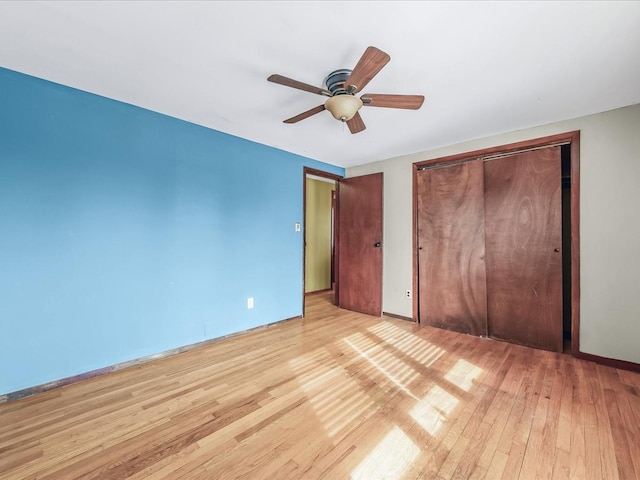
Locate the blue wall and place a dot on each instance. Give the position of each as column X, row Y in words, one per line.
column 125, row 233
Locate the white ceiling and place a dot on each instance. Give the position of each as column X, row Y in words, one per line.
column 484, row 67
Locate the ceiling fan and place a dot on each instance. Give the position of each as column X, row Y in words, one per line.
column 343, row 84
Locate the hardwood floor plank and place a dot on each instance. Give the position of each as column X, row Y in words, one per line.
column 497, row 466
column 563, row 439
column 606, row 445
column 561, row 465
column 522, row 426
column 628, row 421
column 334, row 395
column 579, row 416
column 622, row 446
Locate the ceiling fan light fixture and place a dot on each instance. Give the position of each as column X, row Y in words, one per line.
column 343, row 107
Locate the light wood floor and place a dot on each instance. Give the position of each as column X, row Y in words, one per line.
column 337, row 395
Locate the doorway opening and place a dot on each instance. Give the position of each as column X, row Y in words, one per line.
column 319, row 235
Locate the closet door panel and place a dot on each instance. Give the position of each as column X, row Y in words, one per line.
column 523, row 228
column 451, row 270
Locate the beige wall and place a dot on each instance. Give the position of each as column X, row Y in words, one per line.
column 609, row 225
column 317, row 273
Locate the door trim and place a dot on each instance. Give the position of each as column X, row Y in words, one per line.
column 332, row 176
column 571, row 138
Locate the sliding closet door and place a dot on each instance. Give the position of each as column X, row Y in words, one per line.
column 451, row 270
column 523, row 228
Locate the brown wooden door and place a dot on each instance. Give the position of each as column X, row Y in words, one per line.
column 451, row 269
column 523, row 228
column 360, row 244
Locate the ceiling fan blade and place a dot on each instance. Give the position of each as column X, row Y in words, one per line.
column 306, row 114
column 289, row 82
column 409, row 102
column 368, row 66
column 356, row 124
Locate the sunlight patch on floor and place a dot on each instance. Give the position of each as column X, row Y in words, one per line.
column 394, row 369
column 433, row 410
column 463, row 373
column 390, row 459
column 387, row 358
column 415, row 347
column 334, row 395
column 313, row 370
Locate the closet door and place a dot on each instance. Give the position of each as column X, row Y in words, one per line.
column 451, row 270
column 523, row 228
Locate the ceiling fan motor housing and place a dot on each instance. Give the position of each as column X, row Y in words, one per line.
column 335, row 81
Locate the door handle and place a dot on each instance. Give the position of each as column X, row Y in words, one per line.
column 556, row 250
column 377, row 244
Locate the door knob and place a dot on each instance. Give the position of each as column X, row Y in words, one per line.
column 556, row 249
column 377, row 244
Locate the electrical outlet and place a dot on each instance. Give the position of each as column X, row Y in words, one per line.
column 250, row 302
column 407, row 293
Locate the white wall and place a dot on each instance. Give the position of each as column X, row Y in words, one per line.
column 609, row 225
